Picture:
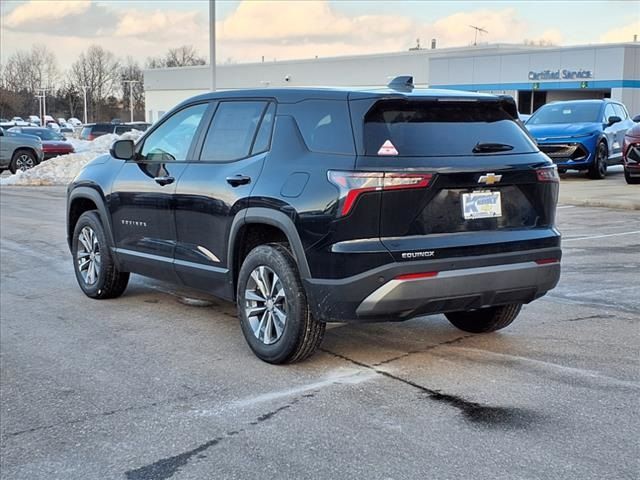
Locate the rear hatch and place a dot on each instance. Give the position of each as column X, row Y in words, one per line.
column 460, row 176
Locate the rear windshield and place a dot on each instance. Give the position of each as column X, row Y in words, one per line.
column 566, row 113
column 431, row 128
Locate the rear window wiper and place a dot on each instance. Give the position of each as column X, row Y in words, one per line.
column 491, row 147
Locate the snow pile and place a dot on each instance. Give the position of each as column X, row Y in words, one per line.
column 62, row 169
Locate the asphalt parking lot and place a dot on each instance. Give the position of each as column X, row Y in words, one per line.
column 160, row 384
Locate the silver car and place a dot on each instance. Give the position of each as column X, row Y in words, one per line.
column 19, row 152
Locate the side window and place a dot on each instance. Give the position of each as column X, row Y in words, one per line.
column 620, row 111
column 121, row 130
column 608, row 112
column 325, row 126
column 232, row 131
column 263, row 138
column 171, row 140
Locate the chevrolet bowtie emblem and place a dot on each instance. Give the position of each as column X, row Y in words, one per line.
column 490, row 178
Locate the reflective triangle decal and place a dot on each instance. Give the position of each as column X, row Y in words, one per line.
column 387, row 148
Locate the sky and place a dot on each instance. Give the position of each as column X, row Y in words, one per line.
column 247, row 30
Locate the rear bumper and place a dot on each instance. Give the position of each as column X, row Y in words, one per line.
column 460, row 284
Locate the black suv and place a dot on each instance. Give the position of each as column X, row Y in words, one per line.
column 306, row 206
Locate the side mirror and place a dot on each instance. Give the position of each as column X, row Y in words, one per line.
column 122, row 149
column 614, row 119
column 636, row 118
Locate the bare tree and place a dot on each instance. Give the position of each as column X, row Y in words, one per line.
column 131, row 71
column 98, row 70
column 184, row 56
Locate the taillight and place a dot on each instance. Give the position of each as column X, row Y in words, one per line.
column 416, row 276
column 352, row 184
column 547, row 261
column 548, row 174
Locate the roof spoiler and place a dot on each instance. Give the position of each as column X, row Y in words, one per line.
column 509, row 105
column 402, row 83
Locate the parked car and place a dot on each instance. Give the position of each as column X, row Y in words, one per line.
column 53, row 126
column 34, row 119
column 53, row 143
column 67, row 130
column 92, row 131
column 74, row 122
column 312, row 205
column 631, row 157
column 581, row 134
column 61, row 121
column 17, row 119
column 19, row 152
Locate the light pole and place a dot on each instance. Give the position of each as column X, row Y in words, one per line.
column 131, row 82
column 84, row 94
column 43, row 112
column 212, row 42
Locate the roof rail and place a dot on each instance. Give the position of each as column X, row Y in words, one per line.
column 402, row 82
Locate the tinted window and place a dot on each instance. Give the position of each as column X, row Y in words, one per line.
column 430, row 128
column 263, row 138
column 232, row 131
column 325, row 126
column 86, row 131
column 102, row 129
column 172, row 139
column 620, row 111
column 566, row 113
column 121, row 130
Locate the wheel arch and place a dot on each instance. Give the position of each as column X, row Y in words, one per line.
column 273, row 219
column 28, row 149
column 83, row 199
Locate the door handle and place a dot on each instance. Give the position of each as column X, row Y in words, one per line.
column 237, row 180
column 166, row 180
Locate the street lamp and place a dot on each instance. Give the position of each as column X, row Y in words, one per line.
column 84, row 93
column 212, row 42
column 131, row 82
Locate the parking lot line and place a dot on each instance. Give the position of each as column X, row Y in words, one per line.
column 591, row 237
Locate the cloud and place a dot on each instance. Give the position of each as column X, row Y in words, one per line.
column 37, row 12
column 455, row 30
column 622, row 34
column 77, row 18
column 160, row 25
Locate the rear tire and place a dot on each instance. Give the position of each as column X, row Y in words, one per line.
column 22, row 160
column 631, row 180
column 273, row 309
column 485, row 320
column 96, row 272
column 598, row 168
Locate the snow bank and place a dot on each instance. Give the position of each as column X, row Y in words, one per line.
column 62, row 169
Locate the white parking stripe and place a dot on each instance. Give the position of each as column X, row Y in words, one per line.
column 564, row 240
column 565, row 206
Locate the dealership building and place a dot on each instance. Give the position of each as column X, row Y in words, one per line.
column 533, row 75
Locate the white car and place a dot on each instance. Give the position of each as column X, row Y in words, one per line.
column 61, row 121
column 53, row 126
column 74, row 122
column 34, row 119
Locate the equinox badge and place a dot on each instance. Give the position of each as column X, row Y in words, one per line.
column 490, row 178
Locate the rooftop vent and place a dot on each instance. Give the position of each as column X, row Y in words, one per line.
column 403, row 82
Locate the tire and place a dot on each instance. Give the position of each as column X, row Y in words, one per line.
column 598, row 168
column 485, row 320
column 274, row 337
column 631, row 180
column 89, row 248
column 22, row 160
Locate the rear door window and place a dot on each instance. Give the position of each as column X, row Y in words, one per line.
column 232, row 131
column 432, row 128
column 325, row 126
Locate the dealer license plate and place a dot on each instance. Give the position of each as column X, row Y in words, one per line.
column 481, row 205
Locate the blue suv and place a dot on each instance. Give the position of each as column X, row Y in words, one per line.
column 581, row 134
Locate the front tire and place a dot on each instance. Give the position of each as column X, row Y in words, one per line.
column 273, row 309
column 22, row 160
column 485, row 320
column 598, row 168
column 96, row 272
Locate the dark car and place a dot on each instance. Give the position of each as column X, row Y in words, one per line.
column 53, row 143
column 306, row 206
column 92, row 131
column 581, row 134
column 631, row 158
